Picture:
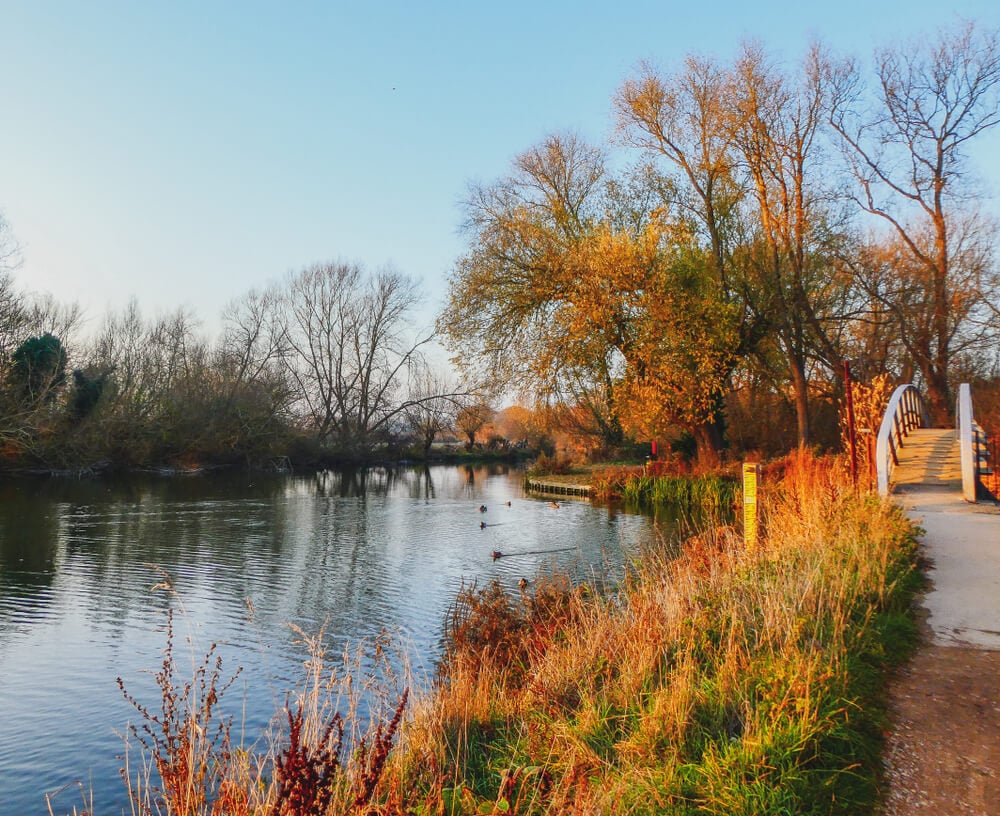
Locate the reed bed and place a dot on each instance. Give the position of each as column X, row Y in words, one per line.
column 715, row 680
column 325, row 752
column 682, row 494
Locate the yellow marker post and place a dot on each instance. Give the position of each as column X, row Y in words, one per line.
column 751, row 477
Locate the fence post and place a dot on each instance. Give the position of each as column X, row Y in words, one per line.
column 851, row 432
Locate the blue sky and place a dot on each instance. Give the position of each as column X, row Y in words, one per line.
column 185, row 152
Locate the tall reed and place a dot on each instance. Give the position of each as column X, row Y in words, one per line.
column 680, row 493
column 326, row 751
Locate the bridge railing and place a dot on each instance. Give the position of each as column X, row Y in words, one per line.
column 971, row 443
column 905, row 412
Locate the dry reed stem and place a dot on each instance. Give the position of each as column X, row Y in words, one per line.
column 86, row 796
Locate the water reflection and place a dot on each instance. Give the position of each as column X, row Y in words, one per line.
column 362, row 551
column 28, row 538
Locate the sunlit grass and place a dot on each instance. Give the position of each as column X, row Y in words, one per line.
column 679, row 493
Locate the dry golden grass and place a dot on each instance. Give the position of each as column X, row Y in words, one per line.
column 870, row 400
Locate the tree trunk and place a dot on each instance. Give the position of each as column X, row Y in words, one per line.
column 708, row 438
column 800, row 386
column 612, row 434
column 938, row 399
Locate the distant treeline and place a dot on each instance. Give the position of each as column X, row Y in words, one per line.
column 322, row 367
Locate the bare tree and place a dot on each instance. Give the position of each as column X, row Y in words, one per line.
column 157, row 390
column 10, row 249
column 254, row 345
column 897, row 285
column 353, row 352
column 45, row 315
column 432, row 408
column 176, row 350
column 471, row 419
column 12, row 307
column 13, row 316
column 907, row 148
column 252, row 367
column 34, row 336
column 122, row 349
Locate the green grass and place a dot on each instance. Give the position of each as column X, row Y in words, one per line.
column 681, row 494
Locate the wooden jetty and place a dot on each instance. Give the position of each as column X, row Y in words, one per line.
column 558, row 488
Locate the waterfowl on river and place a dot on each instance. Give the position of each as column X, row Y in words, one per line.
column 482, row 508
column 497, row 554
column 554, row 504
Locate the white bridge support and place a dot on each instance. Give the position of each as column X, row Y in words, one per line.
column 968, row 442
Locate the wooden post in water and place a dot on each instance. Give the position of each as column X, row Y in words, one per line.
column 751, row 477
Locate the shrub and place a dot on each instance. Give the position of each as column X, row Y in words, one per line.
column 551, row 465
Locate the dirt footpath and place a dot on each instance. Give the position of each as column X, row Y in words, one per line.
column 943, row 750
column 943, row 753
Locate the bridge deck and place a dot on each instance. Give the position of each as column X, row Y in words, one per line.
column 929, row 456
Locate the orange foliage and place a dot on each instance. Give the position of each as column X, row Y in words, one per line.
column 870, row 400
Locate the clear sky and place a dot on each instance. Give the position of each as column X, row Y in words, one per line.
column 185, row 152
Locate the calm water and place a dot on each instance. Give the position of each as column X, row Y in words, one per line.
column 365, row 552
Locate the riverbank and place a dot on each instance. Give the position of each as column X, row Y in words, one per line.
column 715, row 680
column 652, row 487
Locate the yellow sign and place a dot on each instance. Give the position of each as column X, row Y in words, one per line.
column 751, row 476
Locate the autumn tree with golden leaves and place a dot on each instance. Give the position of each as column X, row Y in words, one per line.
column 579, row 284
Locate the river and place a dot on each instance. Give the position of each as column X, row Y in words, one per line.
column 82, row 601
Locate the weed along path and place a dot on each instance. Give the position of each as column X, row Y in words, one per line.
column 943, row 753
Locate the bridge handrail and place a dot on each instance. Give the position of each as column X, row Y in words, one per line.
column 967, row 442
column 904, row 412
